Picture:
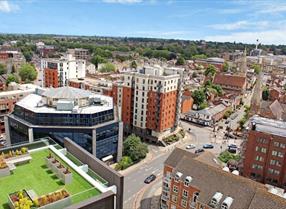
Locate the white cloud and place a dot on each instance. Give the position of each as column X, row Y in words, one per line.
column 241, row 25
column 7, row 7
column 230, row 11
column 122, row 1
column 266, row 37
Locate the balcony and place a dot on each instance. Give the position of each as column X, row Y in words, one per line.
column 167, row 179
column 166, row 188
column 164, row 197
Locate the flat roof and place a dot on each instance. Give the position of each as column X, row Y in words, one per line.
column 271, row 126
column 32, row 101
column 43, row 180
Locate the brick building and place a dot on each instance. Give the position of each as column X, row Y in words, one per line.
column 264, row 152
column 150, row 101
column 197, row 182
column 79, row 53
column 51, row 78
column 231, row 83
column 187, row 102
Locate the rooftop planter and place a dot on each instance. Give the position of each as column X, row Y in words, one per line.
column 15, row 153
column 20, row 199
column 58, row 199
column 59, row 169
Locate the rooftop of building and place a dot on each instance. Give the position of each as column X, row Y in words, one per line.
column 66, row 100
column 158, row 71
column 15, row 89
column 270, row 126
column 230, row 80
column 210, row 110
column 35, row 175
column 209, row 179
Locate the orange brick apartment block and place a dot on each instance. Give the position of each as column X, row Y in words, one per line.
column 51, row 78
column 197, row 182
column 149, row 102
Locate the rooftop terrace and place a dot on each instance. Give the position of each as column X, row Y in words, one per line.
column 38, row 177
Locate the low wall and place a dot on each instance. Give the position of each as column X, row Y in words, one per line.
column 102, row 201
column 113, row 177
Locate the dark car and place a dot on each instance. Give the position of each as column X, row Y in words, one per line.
column 199, row 151
column 149, row 179
column 208, row 146
column 232, row 146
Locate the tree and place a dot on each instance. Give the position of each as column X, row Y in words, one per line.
column 257, row 68
column 3, row 69
column 27, row 73
column 225, row 66
column 218, row 89
column 133, row 64
column 199, row 96
column 265, row 94
column 134, row 148
column 12, row 78
column 210, row 71
column 97, row 59
column 107, row 67
column 180, row 61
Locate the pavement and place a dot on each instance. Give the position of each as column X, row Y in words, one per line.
column 137, row 194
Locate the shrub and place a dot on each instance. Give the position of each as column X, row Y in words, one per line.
column 124, row 163
column 134, row 148
column 226, row 156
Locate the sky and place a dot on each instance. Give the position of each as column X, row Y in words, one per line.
column 211, row 20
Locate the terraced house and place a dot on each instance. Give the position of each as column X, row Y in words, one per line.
column 197, row 182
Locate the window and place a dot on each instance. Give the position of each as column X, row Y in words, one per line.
column 174, row 198
column 175, row 189
column 283, row 146
column 263, row 150
column 280, row 154
column 276, row 144
column 274, row 153
column 270, row 170
column 259, row 158
column 276, row 172
column 185, row 193
column 184, row 203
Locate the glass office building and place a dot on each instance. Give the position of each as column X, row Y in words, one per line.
column 86, row 118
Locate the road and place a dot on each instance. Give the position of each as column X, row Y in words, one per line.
column 134, row 181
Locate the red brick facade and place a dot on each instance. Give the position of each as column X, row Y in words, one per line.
column 6, row 106
column 51, row 78
column 265, row 158
column 127, row 105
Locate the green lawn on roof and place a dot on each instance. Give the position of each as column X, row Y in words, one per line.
column 36, row 176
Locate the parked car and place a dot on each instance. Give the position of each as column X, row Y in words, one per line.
column 227, row 122
column 229, row 135
column 208, row 146
column 191, row 146
column 199, row 151
column 149, row 179
column 232, row 146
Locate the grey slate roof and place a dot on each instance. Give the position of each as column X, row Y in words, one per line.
column 66, row 93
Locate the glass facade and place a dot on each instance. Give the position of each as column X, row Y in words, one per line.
column 106, row 136
column 107, row 140
column 19, row 133
column 63, row 119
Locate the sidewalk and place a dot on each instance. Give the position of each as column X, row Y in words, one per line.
column 155, row 202
column 150, row 156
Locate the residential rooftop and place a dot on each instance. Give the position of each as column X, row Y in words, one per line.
column 230, row 80
column 209, row 179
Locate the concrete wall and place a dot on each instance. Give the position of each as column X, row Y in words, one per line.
column 113, row 177
column 103, row 201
